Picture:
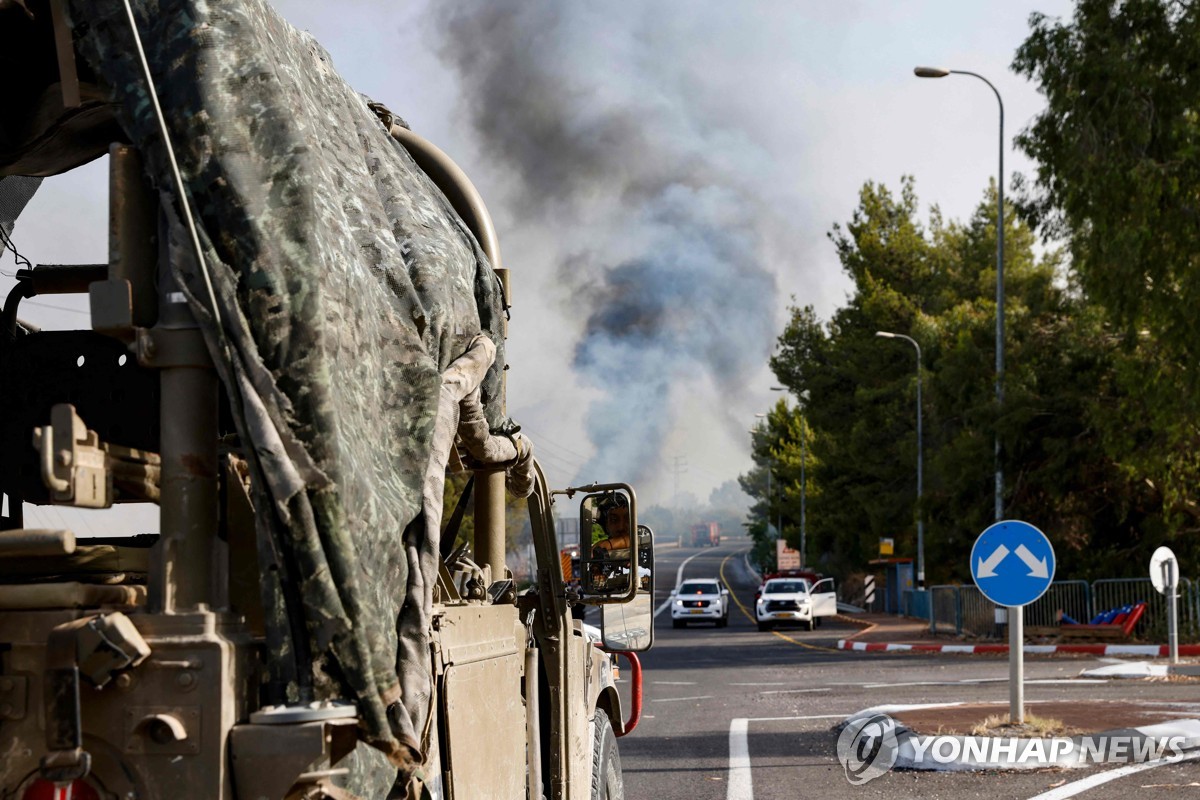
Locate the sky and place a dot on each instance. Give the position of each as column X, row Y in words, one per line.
column 663, row 176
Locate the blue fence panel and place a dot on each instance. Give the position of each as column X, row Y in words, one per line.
column 918, row 604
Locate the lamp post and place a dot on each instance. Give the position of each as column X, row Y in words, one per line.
column 938, row 72
column 1016, row 616
column 920, row 461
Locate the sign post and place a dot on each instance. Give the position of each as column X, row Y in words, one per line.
column 1164, row 574
column 1012, row 563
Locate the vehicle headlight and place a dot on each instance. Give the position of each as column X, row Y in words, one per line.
column 678, row 602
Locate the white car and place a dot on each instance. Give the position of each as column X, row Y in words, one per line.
column 785, row 600
column 700, row 600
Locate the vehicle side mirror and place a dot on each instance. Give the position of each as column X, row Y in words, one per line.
column 607, row 520
column 725, row 591
column 674, row 592
column 630, row 626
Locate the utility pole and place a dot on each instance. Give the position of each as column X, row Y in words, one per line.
column 680, row 468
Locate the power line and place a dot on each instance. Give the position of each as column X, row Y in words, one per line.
column 539, row 438
column 680, row 467
column 56, row 308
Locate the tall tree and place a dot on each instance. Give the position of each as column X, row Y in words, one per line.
column 936, row 284
column 1118, row 178
column 1118, row 153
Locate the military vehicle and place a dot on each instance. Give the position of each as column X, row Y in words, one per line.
column 296, row 334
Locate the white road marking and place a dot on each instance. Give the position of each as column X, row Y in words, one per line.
column 785, row 719
column 741, row 787
column 793, row 691
column 677, row 699
column 1062, row 681
column 740, row 784
column 977, row 681
column 1092, row 781
column 769, row 684
column 749, row 568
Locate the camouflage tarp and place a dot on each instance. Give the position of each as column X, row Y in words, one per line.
column 346, row 285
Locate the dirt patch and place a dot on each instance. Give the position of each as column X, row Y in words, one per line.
column 1077, row 718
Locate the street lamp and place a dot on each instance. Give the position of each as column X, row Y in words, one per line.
column 920, row 461
column 938, row 72
column 803, row 485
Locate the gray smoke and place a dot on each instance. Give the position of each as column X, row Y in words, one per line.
column 610, row 143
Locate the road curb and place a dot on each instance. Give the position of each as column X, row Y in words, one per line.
column 1151, row 650
column 1061, row 752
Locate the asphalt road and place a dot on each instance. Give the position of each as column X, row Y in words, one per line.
column 735, row 714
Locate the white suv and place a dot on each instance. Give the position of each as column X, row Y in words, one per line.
column 784, row 600
column 699, row 601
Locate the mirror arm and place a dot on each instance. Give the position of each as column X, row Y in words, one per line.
column 545, row 547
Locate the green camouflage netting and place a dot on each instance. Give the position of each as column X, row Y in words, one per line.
column 346, row 284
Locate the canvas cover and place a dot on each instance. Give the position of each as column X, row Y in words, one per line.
column 346, row 286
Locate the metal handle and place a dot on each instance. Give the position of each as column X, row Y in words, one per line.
column 635, row 691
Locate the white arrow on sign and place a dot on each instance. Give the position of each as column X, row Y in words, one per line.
column 1038, row 568
column 987, row 569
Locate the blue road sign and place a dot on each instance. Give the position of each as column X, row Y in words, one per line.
column 1012, row 563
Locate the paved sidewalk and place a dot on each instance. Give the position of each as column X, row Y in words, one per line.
column 891, row 628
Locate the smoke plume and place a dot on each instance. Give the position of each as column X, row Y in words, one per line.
column 611, row 144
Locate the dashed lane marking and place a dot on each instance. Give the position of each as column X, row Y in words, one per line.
column 766, row 684
column 977, row 681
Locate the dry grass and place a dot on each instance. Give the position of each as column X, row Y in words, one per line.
column 999, row 724
column 1181, row 679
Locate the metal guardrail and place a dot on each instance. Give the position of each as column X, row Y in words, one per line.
column 1073, row 598
column 946, row 616
column 978, row 613
column 964, row 609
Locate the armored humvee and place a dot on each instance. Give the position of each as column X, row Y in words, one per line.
column 297, row 333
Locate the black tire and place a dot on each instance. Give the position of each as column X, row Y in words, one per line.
column 808, row 626
column 607, row 783
column 723, row 622
column 764, row 626
column 678, row 623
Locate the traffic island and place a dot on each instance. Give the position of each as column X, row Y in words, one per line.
column 1144, row 670
column 966, row 737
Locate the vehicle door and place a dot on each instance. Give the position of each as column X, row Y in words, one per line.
column 824, row 598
